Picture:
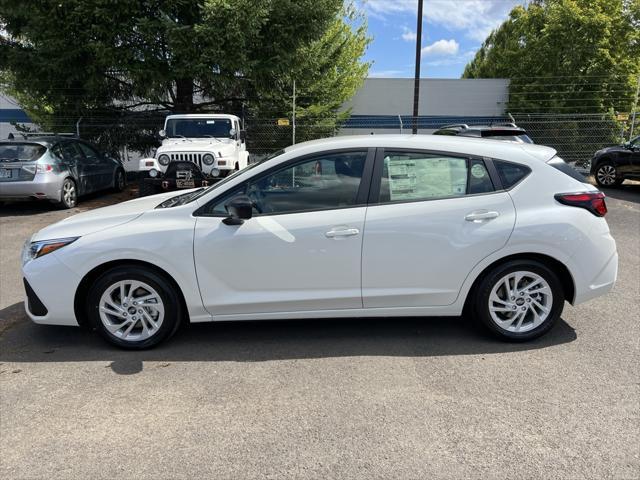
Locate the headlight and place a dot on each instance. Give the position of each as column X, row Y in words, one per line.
column 215, row 172
column 164, row 160
column 207, row 159
column 153, row 173
column 33, row 250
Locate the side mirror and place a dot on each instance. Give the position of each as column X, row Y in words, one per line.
column 239, row 208
column 243, row 135
column 232, row 133
column 162, row 133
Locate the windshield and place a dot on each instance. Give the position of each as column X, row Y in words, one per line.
column 198, row 127
column 191, row 196
column 20, row 152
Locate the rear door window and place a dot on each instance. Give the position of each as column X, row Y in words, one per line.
column 415, row 176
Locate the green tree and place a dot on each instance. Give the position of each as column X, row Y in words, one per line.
column 565, row 59
column 123, row 65
column 565, row 56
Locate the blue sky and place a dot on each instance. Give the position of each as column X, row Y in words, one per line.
column 453, row 30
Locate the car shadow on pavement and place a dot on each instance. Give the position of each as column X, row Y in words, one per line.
column 626, row 192
column 258, row 341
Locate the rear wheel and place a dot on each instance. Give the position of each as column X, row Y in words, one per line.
column 68, row 194
column 607, row 175
column 519, row 300
column 134, row 307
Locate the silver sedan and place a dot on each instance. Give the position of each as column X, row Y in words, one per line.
column 58, row 169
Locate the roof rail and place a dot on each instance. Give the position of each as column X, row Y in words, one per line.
column 455, row 125
column 504, row 124
column 26, row 135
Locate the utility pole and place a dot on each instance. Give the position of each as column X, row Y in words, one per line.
column 293, row 116
column 416, row 85
column 635, row 108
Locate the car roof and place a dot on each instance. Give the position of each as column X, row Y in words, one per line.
column 45, row 140
column 483, row 147
column 203, row 115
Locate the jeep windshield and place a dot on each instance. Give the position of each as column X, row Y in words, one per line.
column 198, row 128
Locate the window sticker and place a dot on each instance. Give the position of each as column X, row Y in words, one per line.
column 478, row 171
column 418, row 178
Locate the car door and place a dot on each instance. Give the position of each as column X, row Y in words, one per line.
column 301, row 251
column 101, row 170
column 78, row 165
column 432, row 217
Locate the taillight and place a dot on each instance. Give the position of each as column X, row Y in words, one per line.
column 44, row 168
column 592, row 201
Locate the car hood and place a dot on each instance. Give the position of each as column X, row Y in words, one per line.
column 615, row 148
column 221, row 148
column 102, row 218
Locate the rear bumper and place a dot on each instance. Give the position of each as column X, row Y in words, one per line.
column 601, row 284
column 43, row 186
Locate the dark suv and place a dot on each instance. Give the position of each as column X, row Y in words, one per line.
column 507, row 131
column 612, row 165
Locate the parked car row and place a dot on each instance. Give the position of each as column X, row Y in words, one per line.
column 363, row 226
column 57, row 169
column 200, row 149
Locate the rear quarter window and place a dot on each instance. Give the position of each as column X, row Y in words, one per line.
column 564, row 167
column 510, row 173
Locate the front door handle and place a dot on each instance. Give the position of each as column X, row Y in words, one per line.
column 345, row 232
column 481, row 215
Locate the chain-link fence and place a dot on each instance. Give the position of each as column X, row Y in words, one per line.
column 575, row 136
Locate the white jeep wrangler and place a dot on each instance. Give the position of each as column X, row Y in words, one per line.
column 196, row 150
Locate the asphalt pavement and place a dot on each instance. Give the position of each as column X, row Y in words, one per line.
column 382, row 398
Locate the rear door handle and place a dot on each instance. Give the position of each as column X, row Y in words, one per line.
column 343, row 232
column 480, row 216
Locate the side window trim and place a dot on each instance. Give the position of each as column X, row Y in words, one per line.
column 361, row 196
column 376, row 182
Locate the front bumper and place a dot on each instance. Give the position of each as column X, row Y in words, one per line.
column 43, row 186
column 54, row 285
column 169, row 184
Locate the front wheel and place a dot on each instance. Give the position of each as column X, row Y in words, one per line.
column 519, row 300
column 607, row 175
column 134, row 307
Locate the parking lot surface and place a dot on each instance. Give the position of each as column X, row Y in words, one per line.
column 383, row 398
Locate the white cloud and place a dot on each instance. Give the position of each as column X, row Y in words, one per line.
column 475, row 17
column 441, row 48
column 388, row 74
column 409, row 35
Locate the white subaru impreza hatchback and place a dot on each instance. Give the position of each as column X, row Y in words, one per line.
column 363, row 226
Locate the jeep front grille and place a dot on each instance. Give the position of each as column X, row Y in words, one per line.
column 187, row 157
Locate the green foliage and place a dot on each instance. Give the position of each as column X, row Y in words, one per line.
column 565, row 56
column 119, row 63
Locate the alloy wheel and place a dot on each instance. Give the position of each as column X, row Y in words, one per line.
column 606, row 175
column 69, row 195
column 520, row 301
column 131, row 310
column 120, row 181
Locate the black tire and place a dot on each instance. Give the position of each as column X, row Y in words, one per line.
column 604, row 172
column 480, row 303
column 119, row 181
column 162, row 286
column 68, row 195
column 145, row 188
